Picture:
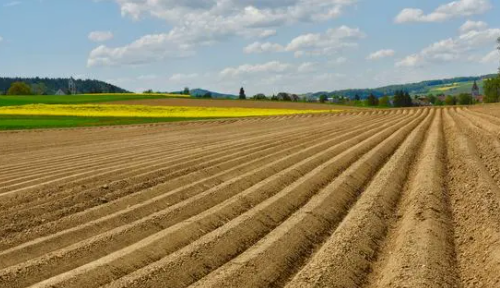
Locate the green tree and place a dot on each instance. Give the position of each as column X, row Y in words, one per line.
column 207, row 95
column 242, row 94
column 323, row 98
column 498, row 47
column 465, row 99
column 384, row 101
column 450, row 100
column 186, row 91
column 357, row 98
column 284, row 96
column 149, row 91
column 259, row 96
column 402, row 99
column 439, row 102
column 19, row 88
column 39, row 88
column 372, row 100
column 432, row 99
column 407, row 100
column 492, row 90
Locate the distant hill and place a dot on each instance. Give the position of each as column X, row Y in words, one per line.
column 198, row 92
column 450, row 86
column 52, row 85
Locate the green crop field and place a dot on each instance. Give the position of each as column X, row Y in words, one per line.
column 71, row 99
column 15, row 122
column 455, row 88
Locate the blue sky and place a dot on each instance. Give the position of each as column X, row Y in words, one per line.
column 266, row 46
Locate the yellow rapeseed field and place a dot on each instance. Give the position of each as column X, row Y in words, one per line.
column 99, row 110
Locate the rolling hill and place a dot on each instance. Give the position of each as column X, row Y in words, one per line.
column 452, row 86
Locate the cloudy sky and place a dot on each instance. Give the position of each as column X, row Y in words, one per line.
column 265, row 45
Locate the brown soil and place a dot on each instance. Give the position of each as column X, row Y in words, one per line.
column 394, row 198
column 234, row 103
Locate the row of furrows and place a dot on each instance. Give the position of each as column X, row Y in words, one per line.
column 116, row 141
column 242, row 232
column 105, row 166
column 475, row 201
column 58, row 156
column 347, row 255
column 288, row 246
column 14, row 141
column 217, row 205
column 158, row 148
column 433, row 226
column 275, row 234
column 418, row 250
column 116, row 147
column 19, row 215
column 414, row 203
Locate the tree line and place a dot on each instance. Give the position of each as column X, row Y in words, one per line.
column 49, row 86
column 492, row 85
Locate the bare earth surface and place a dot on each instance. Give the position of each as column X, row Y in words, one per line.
column 234, row 103
column 395, row 198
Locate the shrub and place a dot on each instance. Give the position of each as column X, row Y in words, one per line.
column 465, row 99
column 19, row 88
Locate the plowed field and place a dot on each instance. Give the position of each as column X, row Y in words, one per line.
column 393, row 198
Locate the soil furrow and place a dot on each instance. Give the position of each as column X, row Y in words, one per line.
column 346, row 257
column 475, row 202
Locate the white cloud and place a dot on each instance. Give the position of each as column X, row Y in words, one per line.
column 183, row 78
column 338, row 61
column 332, row 39
column 100, row 36
column 492, row 57
column 307, row 67
column 316, row 44
column 472, row 25
column 453, row 49
column 381, row 54
column 12, row 3
column 147, row 49
column 410, row 61
column 269, row 67
column 148, row 77
column 460, row 8
column 258, row 47
column 267, row 33
column 205, row 22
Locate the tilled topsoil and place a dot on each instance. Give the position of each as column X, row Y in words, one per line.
column 390, row 198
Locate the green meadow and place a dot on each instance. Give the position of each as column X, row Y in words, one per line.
column 71, row 99
column 15, row 122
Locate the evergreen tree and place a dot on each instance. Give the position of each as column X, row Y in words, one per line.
column 323, row 98
column 186, row 91
column 357, row 98
column 372, row 100
column 498, row 47
column 407, row 100
column 242, row 94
